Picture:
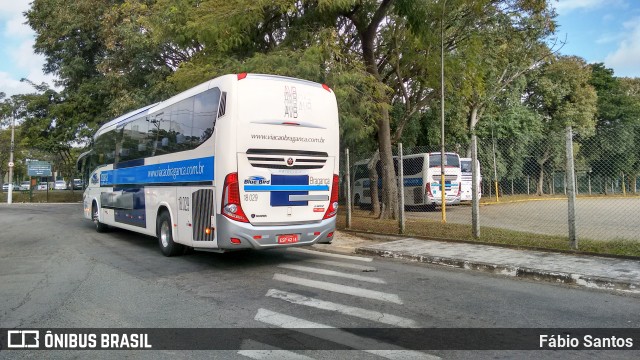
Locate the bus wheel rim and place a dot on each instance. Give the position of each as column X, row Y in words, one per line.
column 164, row 234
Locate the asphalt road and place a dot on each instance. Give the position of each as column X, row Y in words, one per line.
column 596, row 218
column 56, row 271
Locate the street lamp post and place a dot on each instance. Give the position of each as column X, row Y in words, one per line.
column 13, row 126
column 442, row 157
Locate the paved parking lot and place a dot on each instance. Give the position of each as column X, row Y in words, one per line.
column 596, row 218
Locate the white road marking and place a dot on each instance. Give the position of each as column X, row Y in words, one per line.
column 273, row 354
column 343, row 264
column 402, row 354
column 342, row 309
column 337, row 336
column 340, row 256
column 349, row 290
column 333, row 273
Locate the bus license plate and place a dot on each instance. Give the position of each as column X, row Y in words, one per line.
column 288, row 239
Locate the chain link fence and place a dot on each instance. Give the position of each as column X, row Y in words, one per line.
column 523, row 192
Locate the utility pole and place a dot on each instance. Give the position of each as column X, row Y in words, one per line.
column 442, row 158
column 13, row 126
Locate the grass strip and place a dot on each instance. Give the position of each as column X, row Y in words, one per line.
column 364, row 221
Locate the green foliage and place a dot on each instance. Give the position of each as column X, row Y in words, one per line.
column 613, row 148
column 381, row 58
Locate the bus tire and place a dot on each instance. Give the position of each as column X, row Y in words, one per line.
column 165, row 236
column 356, row 200
column 100, row 227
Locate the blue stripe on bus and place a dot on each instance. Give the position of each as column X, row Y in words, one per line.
column 412, row 181
column 407, row 182
column 192, row 170
column 258, row 188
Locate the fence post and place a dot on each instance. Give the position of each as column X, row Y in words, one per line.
column 348, row 188
column 527, row 185
column 573, row 241
column 589, row 183
column 401, row 188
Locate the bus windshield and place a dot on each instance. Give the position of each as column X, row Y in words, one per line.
column 449, row 160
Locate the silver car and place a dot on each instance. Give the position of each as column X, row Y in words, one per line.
column 25, row 185
column 60, row 185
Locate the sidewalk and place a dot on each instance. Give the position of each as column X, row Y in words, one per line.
column 582, row 270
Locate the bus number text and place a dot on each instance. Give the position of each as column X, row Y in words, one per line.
column 250, row 197
column 183, row 203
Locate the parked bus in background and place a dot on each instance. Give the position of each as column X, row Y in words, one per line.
column 465, row 184
column 421, row 173
column 244, row 161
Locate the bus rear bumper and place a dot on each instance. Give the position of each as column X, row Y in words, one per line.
column 248, row 236
column 450, row 200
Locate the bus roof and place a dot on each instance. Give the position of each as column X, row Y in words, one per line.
column 188, row 93
column 121, row 119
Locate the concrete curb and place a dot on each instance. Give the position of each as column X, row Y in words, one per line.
column 514, row 271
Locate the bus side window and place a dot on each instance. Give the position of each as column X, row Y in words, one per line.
column 205, row 109
column 412, row 166
column 182, row 124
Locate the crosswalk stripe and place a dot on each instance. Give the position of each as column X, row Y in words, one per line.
column 349, row 290
column 339, row 256
column 342, row 264
column 333, row 273
column 342, row 309
column 402, row 354
column 267, row 351
column 273, row 354
column 338, row 336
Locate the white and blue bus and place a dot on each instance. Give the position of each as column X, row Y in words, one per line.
column 244, row 161
column 421, row 173
column 467, row 179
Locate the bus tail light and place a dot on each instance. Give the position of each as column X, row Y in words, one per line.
column 333, row 201
column 231, row 207
column 427, row 189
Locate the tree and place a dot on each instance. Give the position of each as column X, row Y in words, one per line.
column 561, row 94
column 611, row 151
column 506, row 44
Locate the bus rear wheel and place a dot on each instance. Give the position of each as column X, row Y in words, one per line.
column 165, row 236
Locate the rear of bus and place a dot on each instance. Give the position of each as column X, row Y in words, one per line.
column 466, row 193
column 281, row 187
column 466, row 180
column 452, row 178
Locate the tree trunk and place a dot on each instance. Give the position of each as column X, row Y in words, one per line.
column 540, row 190
column 389, row 186
column 373, row 184
column 389, row 183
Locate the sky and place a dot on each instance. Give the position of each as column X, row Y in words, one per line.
column 605, row 31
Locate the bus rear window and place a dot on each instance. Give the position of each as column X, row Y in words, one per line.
column 449, row 160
